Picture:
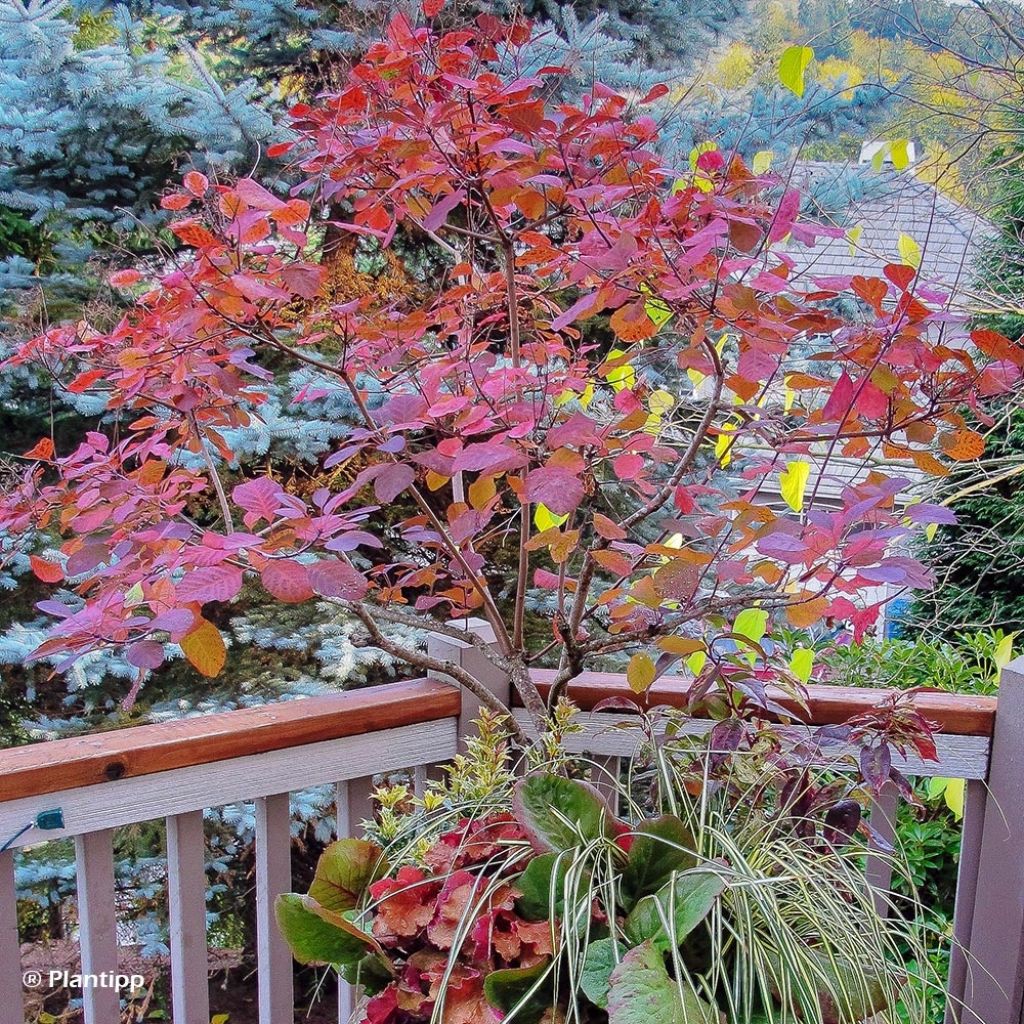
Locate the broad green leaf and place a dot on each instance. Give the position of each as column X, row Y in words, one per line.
column 801, row 663
column 793, row 66
column 909, row 250
column 751, row 623
column 696, row 662
column 559, row 813
column 762, row 161
column 545, row 519
column 642, row 992
column 899, row 151
column 640, row 672
column 343, row 873
column 527, row 988
column 793, row 483
column 595, row 978
column 681, row 903
column 1004, row 651
column 319, row 936
column 372, row 973
column 661, row 846
column 542, row 885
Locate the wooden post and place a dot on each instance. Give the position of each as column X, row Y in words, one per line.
column 97, row 923
column 474, row 662
column 976, row 797
column 186, row 897
column 994, row 983
column 12, row 1006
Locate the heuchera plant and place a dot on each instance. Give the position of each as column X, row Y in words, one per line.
column 508, row 418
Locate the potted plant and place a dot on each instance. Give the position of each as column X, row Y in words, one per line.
column 701, row 887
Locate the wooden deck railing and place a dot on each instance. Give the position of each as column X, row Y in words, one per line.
column 174, row 771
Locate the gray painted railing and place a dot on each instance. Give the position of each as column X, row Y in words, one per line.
column 985, row 982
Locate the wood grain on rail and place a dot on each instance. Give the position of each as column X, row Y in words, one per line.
column 146, row 749
column 953, row 713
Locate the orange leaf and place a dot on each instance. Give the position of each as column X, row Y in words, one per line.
column 204, row 648
column 43, row 449
column 963, row 445
column 197, row 183
column 44, row 570
column 631, row 323
column 806, row 613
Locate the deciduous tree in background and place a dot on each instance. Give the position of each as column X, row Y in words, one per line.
column 505, row 410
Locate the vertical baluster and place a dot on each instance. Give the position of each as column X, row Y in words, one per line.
column 97, row 922
column 186, row 896
column 12, row 1006
column 353, row 804
column 883, row 821
column 605, row 770
column 273, row 877
column 966, row 892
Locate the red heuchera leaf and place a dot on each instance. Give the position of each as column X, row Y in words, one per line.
column 405, row 904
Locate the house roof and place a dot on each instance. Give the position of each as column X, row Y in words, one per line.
column 886, row 204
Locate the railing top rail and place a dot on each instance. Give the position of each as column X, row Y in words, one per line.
column 147, row 749
column 955, row 714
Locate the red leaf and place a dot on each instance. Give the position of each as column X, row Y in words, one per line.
column 432, row 8
column 46, row 571
column 256, row 196
column 682, row 500
column 336, row 578
column 146, row 654
column 210, row 583
column 287, row 580
column 628, row 466
column 279, row 149
column 43, row 449
column 900, row 274
column 197, row 183
column 124, row 278
column 871, row 290
column 558, row 488
column 838, row 404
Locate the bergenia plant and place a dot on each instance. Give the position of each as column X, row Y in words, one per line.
column 579, row 420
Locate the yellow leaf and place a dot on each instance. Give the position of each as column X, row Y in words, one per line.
column 695, row 662
column 696, row 377
column 793, row 66
column 656, row 309
column 435, row 481
column 751, row 623
column 805, row 613
column 640, row 673
column 481, row 491
column 899, row 151
column 930, row 530
column 801, row 663
column 622, row 375
column 1004, row 651
column 909, row 250
column 724, row 444
column 762, row 161
column 954, row 797
column 661, row 402
column 204, row 648
column 545, row 519
column 853, row 235
column 793, row 483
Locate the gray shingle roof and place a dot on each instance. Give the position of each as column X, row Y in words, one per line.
column 886, row 204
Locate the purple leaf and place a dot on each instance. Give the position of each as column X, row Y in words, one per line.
column 335, row 578
column 923, row 512
column 260, row 499
column 213, row 583
column 559, row 489
column 146, row 654
column 394, row 479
